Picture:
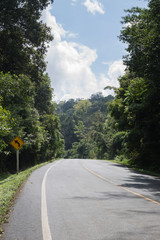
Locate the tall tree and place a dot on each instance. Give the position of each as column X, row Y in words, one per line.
column 24, row 86
column 40, row 132
column 23, row 37
column 137, row 101
column 65, row 112
column 6, row 124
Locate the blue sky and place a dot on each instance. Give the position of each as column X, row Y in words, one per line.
column 86, row 54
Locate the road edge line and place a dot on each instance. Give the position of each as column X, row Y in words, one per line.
column 46, row 232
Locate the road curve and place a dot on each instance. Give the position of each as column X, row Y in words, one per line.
column 86, row 200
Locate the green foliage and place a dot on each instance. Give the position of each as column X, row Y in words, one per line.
column 81, row 108
column 65, row 112
column 53, row 144
column 136, row 91
column 39, row 128
column 80, row 130
column 6, row 124
column 136, row 106
column 142, row 36
column 26, row 37
column 84, row 121
column 24, row 88
column 43, row 97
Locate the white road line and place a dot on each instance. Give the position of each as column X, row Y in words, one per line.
column 44, row 214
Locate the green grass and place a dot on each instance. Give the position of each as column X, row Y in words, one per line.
column 9, row 185
column 123, row 161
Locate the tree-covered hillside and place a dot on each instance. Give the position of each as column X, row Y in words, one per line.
column 83, row 126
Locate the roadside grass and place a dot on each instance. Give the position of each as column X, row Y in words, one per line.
column 126, row 162
column 9, row 185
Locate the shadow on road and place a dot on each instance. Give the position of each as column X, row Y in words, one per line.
column 149, row 184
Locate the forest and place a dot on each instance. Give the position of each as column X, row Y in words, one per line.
column 127, row 127
column 84, row 127
column 124, row 127
column 26, row 106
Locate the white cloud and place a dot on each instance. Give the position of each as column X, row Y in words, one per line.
column 72, row 35
column 73, row 2
column 69, row 63
column 56, row 29
column 94, row 6
column 116, row 69
column 69, row 66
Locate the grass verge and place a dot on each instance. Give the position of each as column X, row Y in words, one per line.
column 9, row 185
column 127, row 163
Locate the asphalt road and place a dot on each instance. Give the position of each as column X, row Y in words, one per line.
column 86, row 200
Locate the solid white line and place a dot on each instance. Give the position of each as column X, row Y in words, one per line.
column 44, row 214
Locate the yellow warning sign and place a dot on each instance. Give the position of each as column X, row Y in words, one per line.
column 17, row 143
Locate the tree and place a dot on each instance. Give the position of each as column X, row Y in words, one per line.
column 44, row 95
column 53, row 143
column 6, row 124
column 81, row 108
column 136, row 106
column 24, row 86
column 18, row 98
column 65, row 112
column 26, row 37
column 83, row 126
column 141, row 33
column 40, row 132
column 130, row 112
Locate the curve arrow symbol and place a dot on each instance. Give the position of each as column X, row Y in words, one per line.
column 17, row 143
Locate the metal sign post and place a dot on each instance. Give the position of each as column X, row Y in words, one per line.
column 17, row 144
column 17, row 161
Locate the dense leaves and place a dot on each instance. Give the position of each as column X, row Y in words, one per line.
column 83, row 126
column 38, row 127
column 136, row 108
column 100, row 127
column 5, row 126
column 131, row 128
column 26, row 37
column 26, row 107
